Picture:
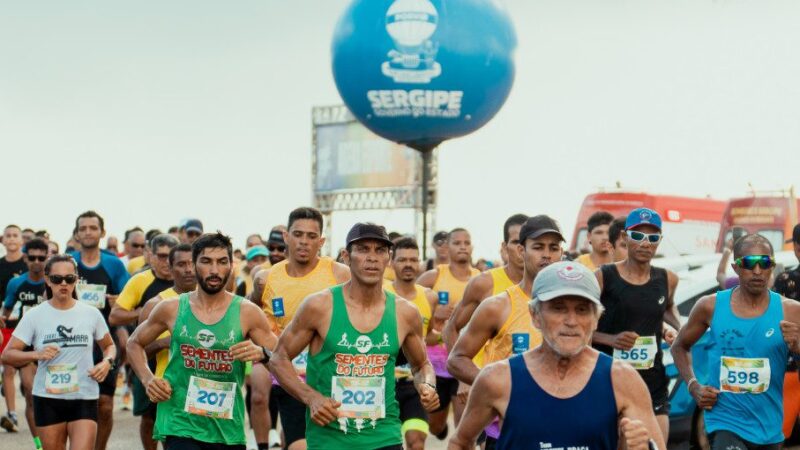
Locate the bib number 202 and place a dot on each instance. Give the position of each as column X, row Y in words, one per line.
column 358, row 397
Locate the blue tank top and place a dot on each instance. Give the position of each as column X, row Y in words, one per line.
column 536, row 420
column 755, row 417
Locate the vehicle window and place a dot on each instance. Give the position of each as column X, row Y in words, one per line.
column 686, row 307
column 582, row 239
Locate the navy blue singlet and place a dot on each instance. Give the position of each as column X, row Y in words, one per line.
column 536, row 420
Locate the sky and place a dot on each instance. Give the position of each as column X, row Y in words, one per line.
column 150, row 111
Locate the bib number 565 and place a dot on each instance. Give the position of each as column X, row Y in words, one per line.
column 634, row 354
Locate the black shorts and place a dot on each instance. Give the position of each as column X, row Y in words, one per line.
column 727, row 440
column 184, row 443
column 658, row 385
column 447, row 388
column 293, row 416
column 52, row 411
column 491, row 443
column 109, row 385
column 409, row 402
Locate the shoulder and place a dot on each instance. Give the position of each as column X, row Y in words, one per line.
column 16, row 282
column 248, row 308
column 405, row 308
column 318, row 303
column 85, row 310
column 492, row 307
column 111, row 261
column 494, row 379
column 791, row 307
column 483, row 281
column 704, row 308
column 141, row 279
column 166, row 308
column 340, row 271
column 429, row 276
column 626, row 381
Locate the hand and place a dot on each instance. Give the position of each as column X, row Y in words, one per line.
column 443, row 312
column 429, row 397
column 158, row 390
column 634, row 433
column 625, row 340
column 704, row 396
column 246, row 351
column 111, row 299
column 100, row 371
column 324, row 410
column 791, row 335
column 669, row 334
column 48, row 353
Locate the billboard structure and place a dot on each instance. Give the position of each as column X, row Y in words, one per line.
column 354, row 169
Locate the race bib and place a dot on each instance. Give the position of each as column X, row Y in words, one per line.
column 210, row 398
column 361, row 397
column 61, row 379
column 643, row 354
column 744, row 375
column 520, row 343
column 300, row 362
column 92, row 294
column 15, row 311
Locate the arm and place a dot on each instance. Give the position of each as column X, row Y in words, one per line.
column 723, row 267
column 671, row 315
column 790, row 325
column 161, row 319
column 297, row 336
column 477, row 289
column 159, row 344
column 432, row 337
column 414, row 349
column 428, row 279
column 100, row 370
column 15, row 354
column 699, row 321
column 482, row 327
column 259, row 281
column 638, row 424
column 488, row 398
column 257, row 331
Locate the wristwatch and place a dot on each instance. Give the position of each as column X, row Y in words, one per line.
column 267, row 355
column 111, row 363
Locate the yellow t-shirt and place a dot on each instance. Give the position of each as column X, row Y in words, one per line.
column 140, row 288
column 135, row 264
column 586, row 260
column 517, row 334
column 389, row 274
column 293, row 290
column 500, row 280
column 446, row 282
column 419, row 299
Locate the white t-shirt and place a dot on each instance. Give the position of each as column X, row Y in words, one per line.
column 74, row 331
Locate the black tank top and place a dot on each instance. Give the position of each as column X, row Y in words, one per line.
column 638, row 308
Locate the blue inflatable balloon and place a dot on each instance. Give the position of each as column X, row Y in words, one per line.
column 422, row 71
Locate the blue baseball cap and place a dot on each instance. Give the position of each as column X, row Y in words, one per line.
column 257, row 250
column 643, row 216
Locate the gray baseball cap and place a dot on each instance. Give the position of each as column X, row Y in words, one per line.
column 566, row 278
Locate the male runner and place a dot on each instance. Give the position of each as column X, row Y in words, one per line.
column 490, row 283
column 11, row 265
column 112, row 245
column 752, row 331
column 133, row 244
column 639, row 299
column 449, row 282
column 255, row 256
column 182, row 271
column 501, row 326
column 355, row 332
column 27, row 235
column 286, row 284
column 24, row 292
column 213, row 334
column 102, row 277
column 442, row 252
column 405, row 262
column 616, row 237
column 787, row 284
column 563, row 393
column 276, row 245
column 598, row 225
column 190, row 230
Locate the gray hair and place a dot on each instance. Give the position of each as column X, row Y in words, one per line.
column 535, row 305
column 163, row 240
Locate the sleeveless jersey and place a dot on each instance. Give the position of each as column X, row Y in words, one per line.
column 283, row 293
column 747, row 362
column 162, row 357
column 206, row 403
column 517, row 335
column 638, row 308
column 446, row 282
column 500, row 280
column 402, row 368
column 357, row 369
column 587, row 420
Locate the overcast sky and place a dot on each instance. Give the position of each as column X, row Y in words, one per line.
column 152, row 111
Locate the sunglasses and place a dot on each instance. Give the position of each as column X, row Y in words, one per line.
column 138, row 245
column 37, row 258
column 638, row 236
column 750, row 262
column 162, row 256
column 58, row 279
column 276, row 249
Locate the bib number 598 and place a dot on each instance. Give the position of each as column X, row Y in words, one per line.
column 735, row 377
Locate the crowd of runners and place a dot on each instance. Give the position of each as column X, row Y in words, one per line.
column 377, row 348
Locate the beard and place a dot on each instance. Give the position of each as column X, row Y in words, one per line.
column 203, row 283
column 561, row 352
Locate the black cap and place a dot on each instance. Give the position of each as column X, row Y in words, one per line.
column 440, row 235
column 538, row 225
column 193, row 225
column 362, row 231
column 276, row 237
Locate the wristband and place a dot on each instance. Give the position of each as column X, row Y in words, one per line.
column 689, row 384
column 267, row 355
column 428, row 384
column 110, row 361
column 651, row 444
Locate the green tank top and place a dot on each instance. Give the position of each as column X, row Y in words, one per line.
column 357, row 369
column 206, row 402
